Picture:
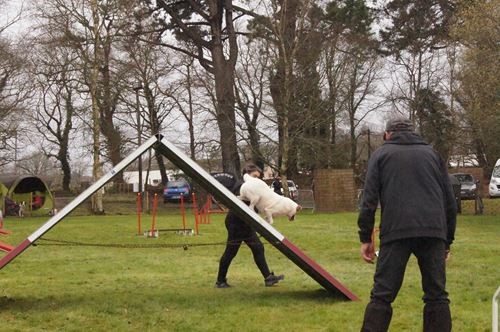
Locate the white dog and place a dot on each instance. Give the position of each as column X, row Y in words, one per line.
column 266, row 200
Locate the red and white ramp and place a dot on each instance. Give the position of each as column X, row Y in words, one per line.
column 221, row 193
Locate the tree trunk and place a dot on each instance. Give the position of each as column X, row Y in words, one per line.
column 63, row 154
column 155, row 129
column 66, row 169
column 113, row 136
column 224, row 89
column 97, row 205
column 282, row 85
column 189, row 117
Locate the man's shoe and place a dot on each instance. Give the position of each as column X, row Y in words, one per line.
column 222, row 284
column 272, row 279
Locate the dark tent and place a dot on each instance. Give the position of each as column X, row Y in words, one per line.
column 30, row 190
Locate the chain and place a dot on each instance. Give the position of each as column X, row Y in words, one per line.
column 185, row 246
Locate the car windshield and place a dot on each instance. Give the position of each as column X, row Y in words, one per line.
column 464, row 177
column 176, row 184
column 496, row 172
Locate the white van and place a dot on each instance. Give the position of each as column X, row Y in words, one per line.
column 495, row 181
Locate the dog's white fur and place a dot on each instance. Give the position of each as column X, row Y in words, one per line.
column 266, row 200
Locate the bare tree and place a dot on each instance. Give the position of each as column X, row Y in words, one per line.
column 335, row 69
column 57, row 81
column 251, row 90
column 93, row 29
column 209, row 27
column 12, row 97
column 479, row 83
column 359, row 92
column 150, row 76
column 14, row 92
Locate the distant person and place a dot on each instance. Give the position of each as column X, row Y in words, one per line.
column 11, row 207
column 418, row 209
column 277, row 186
column 37, row 202
column 237, row 232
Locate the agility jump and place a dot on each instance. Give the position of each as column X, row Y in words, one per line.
column 216, row 189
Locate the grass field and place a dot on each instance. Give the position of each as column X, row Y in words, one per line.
column 75, row 288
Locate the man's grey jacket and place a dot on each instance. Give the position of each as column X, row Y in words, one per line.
column 411, row 182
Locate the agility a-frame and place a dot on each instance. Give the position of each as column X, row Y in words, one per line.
column 211, row 185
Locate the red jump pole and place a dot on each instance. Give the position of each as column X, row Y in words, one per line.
column 139, row 213
column 3, row 231
column 207, row 211
column 155, row 204
column 6, row 247
column 209, row 206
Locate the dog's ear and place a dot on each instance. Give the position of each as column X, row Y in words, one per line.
column 299, row 208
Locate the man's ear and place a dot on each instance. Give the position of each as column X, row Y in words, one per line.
column 387, row 136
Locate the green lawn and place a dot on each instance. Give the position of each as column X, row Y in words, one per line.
column 74, row 288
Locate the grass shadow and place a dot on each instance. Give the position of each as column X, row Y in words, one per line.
column 318, row 295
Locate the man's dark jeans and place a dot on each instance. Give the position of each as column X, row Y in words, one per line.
column 389, row 274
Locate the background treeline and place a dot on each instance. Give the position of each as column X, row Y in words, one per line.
column 293, row 84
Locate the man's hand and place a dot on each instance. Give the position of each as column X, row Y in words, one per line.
column 368, row 252
column 447, row 255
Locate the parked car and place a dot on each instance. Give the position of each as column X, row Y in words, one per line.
column 468, row 185
column 175, row 189
column 292, row 188
column 494, row 187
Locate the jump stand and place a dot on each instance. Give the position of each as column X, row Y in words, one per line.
column 152, row 233
column 139, row 211
column 202, row 215
column 4, row 246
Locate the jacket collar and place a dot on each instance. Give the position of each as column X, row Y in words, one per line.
column 405, row 138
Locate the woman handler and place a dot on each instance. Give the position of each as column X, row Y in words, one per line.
column 237, row 232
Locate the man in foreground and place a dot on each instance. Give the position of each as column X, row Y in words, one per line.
column 418, row 217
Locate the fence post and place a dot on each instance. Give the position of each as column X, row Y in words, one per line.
column 155, row 204
column 183, row 214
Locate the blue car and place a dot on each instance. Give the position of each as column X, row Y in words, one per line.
column 175, row 189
